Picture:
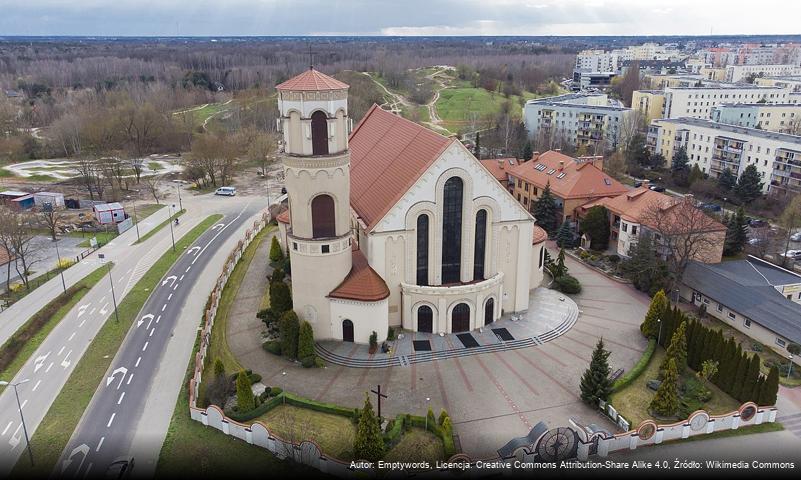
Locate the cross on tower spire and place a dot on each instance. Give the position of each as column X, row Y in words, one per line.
column 311, row 57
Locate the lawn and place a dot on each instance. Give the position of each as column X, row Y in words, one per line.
column 417, row 445
column 458, row 107
column 333, row 433
column 191, row 450
column 35, row 334
column 54, row 431
column 632, row 401
column 4, row 172
column 155, row 166
column 102, row 237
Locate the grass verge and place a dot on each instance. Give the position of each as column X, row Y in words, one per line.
column 102, row 238
column 54, row 431
column 18, row 349
column 158, row 227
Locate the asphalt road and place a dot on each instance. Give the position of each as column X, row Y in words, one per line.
column 108, row 426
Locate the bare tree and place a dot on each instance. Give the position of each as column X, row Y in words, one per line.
column 52, row 218
column 261, row 151
column 153, row 182
column 683, row 233
column 18, row 232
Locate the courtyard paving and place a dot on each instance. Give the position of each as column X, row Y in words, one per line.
column 491, row 397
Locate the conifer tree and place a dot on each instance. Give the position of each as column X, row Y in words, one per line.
column 739, row 377
column 656, row 310
column 305, row 341
column 477, row 147
column 736, row 233
column 727, row 180
column 770, row 389
column 749, row 185
column 245, row 400
column 666, row 401
column 288, row 331
column 276, row 253
column 559, row 269
column 595, row 382
column 564, row 236
column 677, row 350
column 546, row 211
column 369, row 443
column 749, row 391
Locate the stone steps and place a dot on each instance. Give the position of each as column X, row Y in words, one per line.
column 423, row 357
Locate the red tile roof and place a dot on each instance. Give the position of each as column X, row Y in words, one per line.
column 283, row 217
column 539, row 236
column 580, row 180
column 362, row 283
column 500, row 167
column 387, row 155
column 312, row 80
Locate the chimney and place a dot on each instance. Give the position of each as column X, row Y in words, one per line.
column 646, row 184
column 500, row 163
column 557, row 149
column 561, row 165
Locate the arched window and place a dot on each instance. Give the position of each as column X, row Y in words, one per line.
column 323, row 217
column 425, row 319
column 319, row 131
column 460, row 318
column 422, row 250
column 489, row 311
column 480, row 245
column 452, row 230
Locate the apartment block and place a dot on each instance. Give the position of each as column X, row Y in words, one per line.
column 649, row 104
column 697, row 102
column 715, row 147
column 793, row 83
column 740, row 73
column 587, row 120
column 775, row 117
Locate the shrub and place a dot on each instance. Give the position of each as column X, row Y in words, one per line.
column 309, row 361
column 219, row 368
column 263, row 408
column 273, row 346
column 442, row 416
column 254, row 378
column 373, row 340
column 65, row 263
column 320, row 406
column 290, row 325
column 613, row 258
column 275, row 391
column 276, row 253
column 306, row 342
column 567, row 284
column 638, row 367
column 280, row 298
column 244, row 394
column 391, row 334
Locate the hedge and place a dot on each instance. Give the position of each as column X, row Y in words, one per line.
column 256, row 412
column 319, row 406
column 394, row 433
column 447, row 437
column 638, row 368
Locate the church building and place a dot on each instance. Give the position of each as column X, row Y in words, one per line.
column 392, row 224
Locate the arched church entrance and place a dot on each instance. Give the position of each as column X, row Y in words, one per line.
column 460, row 318
column 425, row 319
column 489, row 311
column 347, row 331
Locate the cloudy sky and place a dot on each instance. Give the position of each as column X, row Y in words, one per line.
column 398, row 17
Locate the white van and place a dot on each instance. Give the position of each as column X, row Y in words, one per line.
column 229, row 191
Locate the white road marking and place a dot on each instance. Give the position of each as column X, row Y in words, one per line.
column 102, row 299
column 23, row 405
column 188, row 268
column 48, row 367
column 171, row 277
column 104, row 310
column 60, row 351
column 137, row 361
column 169, row 297
column 100, row 444
column 145, row 347
column 163, row 307
column 92, row 311
column 86, row 475
column 122, row 395
column 142, row 320
column 71, row 337
column 36, row 386
column 151, row 332
column 129, row 379
column 7, row 427
column 128, row 271
column 175, row 287
column 158, row 318
column 182, row 277
column 111, row 419
column 82, row 309
column 39, row 362
column 82, row 322
column 14, row 441
column 66, row 363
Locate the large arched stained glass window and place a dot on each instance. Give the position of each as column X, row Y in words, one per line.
column 480, row 245
column 452, row 230
column 422, row 250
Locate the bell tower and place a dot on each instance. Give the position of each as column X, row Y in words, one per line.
column 315, row 126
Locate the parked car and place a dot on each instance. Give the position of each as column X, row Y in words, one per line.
column 121, row 467
column 794, row 254
column 756, row 242
column 796, row 237
column 756, row 223
column 657, row 188
column 638, row 184
column 227, row 191
column 710, row 207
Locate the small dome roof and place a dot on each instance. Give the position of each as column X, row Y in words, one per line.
column 312, row 80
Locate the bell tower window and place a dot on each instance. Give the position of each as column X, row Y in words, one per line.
column 323, row 217
column 319, row 131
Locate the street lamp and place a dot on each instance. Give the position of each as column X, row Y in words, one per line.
column 22, row 417
column 171, row 208
column 790, row 367
column 102, row 256
column 659, row 336
column 180, row 202
column 136, row 220
column 61, row 270
column 428, row 399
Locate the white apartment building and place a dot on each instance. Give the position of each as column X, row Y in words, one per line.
column 740, row 73
column 774, row 117
column 580, row 119
column 597, row 61
column 716, row 146
column 793, row 83
column 698, row 102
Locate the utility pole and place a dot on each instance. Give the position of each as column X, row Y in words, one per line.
column 171, row 232
column 111, row 280
column 21, row 416
column 61, row 270
column 180, row 202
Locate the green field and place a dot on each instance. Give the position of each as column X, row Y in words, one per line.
column 54, row 431
column 459, row 107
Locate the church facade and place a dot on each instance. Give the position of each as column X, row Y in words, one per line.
column 392, row 224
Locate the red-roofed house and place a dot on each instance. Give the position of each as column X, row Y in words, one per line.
column 573, row 182
column 394, row 224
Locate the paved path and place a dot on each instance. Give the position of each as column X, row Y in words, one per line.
column 243, row 329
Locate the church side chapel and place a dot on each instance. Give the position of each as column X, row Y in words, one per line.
column 391, row 224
